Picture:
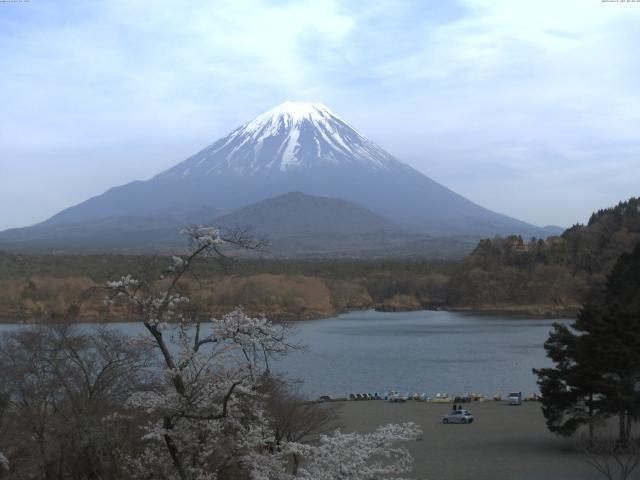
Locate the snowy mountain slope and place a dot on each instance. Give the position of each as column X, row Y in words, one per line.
column 291, row 135
column 301, row 147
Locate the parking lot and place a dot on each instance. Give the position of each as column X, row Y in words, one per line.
column 503, row 443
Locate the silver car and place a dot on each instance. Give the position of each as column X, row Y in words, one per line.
column 458, row 416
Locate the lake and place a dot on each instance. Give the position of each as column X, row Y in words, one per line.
column 425, row 351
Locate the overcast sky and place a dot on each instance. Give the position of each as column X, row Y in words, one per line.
column 528, row 107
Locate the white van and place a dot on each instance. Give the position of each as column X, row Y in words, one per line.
column 515, row 398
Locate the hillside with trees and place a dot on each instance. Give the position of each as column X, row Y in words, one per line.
column 546, row 277
column 559, row 272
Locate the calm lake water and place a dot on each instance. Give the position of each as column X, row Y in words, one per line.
column 424, row 351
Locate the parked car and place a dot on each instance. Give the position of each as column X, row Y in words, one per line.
column 515, row 398
column 396, row 397
column 458, row 416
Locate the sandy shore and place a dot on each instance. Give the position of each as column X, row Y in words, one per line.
column 503, row 443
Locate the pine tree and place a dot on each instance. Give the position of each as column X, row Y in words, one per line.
column 570, row 390
column 616, row 326
column 597, row 358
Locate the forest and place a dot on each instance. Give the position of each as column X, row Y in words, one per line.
column 548, row 277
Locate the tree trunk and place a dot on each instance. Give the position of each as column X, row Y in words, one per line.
column 591, row 420
column 173, row 449
column 623, row 433
column 628, row 426
column 45, row 465
column 296, row 464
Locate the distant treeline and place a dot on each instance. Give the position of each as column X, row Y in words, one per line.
column 541, row 276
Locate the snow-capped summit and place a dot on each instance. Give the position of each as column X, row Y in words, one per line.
column 293, row 112
column 290, row 135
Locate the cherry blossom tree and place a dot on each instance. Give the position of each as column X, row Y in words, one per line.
column 357, row 456
column 210, row 420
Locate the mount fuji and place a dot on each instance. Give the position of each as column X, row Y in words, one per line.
column 294, row 147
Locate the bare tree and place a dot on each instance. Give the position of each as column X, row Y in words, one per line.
column 614, row 460
column 294, row 418
column 62, row 388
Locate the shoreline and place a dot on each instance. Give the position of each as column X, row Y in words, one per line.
column 524, row 310
column 528, row 311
